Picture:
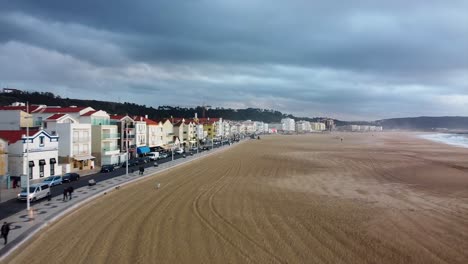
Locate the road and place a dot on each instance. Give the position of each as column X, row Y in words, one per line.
column 14, row 206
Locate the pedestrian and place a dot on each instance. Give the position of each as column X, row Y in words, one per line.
column 158, row 185
column 65, row 194
column 141, row 170
column 70, row 191
column 5, row 230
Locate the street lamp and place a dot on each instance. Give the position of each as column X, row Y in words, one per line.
column 28, row 203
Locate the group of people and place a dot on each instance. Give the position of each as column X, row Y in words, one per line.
column 67, row 193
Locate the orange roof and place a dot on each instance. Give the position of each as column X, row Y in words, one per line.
column 150, row 122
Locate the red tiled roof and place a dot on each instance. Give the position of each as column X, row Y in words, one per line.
column 62, row 109
column 150, row 122
column 207, row 120
column 117, row 117
column 23, row 108
column 89, row 113
column 12, row 136
column 55, row 116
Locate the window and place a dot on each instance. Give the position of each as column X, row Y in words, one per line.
column 30, row 173
column 76, row 136
column 52, row 168
column 41, row 168
column 41, row 141
column 86, row 135
column 45, row 186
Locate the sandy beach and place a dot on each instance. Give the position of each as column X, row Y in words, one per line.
column 382, row 198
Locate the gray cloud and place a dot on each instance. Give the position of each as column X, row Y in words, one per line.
column 359, row 60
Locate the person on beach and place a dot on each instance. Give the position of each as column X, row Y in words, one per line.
column 70, row 191
column 5, row 230
column 65, row 194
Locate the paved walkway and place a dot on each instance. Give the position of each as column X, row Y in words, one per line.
column 25, row 224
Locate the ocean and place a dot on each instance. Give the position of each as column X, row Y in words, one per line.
column 460, row 140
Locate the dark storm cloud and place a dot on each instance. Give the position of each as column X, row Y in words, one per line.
column 362, row 57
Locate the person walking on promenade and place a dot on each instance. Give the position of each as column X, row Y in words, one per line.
column 5, row 230
column 70, row 191
column 65, row 194
column 142, row 169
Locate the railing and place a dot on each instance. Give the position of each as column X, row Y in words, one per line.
column 170, row 134
column 129, row 136
column 76, row 140
column 110, row 148
column 110, row 136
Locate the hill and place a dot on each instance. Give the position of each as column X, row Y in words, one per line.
column 426, row 123
column 48, row 98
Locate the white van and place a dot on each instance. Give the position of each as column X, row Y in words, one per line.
column 36, row 191
column 153, row 155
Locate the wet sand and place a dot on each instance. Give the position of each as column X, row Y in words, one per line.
column 387, row 198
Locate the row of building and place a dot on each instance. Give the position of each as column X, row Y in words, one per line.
column 66, row 139
column 289, row 125
column 360, row 128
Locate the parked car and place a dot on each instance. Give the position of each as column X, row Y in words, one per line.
column 131, row 163
column 107, row 168
column 163, row 155
column 71, row 176
column 179, row 150
column 153, row 156
column 194, row 149
column 36, row 191
column 53, row 180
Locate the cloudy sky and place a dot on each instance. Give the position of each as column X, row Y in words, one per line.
column 353, row 60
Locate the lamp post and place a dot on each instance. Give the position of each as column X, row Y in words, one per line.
column 172, row 149
column 28, row 203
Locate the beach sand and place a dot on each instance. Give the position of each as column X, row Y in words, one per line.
column 373, row 198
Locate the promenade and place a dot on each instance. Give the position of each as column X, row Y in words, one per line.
column 25, row 224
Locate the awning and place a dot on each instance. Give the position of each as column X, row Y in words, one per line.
column 31, row 163
column 42, row 162
column 87, row 157
column 53, row 161
column 143, row 150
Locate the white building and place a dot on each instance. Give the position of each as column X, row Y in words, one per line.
column 288, row 125
column 303, row 127
column 104, row 138
column 318, row 127
column 155, row 134
column 75, row 141
column 43, row 153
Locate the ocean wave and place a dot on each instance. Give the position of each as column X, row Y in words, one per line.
column 460, row 140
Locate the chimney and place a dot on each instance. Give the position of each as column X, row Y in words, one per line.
column 196, row 115
column 146, row 116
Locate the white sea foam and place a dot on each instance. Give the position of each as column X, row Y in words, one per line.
column 460, row 140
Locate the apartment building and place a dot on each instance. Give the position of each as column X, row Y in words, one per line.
column 75, row 141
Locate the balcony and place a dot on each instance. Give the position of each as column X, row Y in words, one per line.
column 81, row 140
column 129, row 136
column 110, row 136
column 111, row 150
column 170, row 134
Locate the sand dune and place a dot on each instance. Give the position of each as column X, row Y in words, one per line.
column 387, row 198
